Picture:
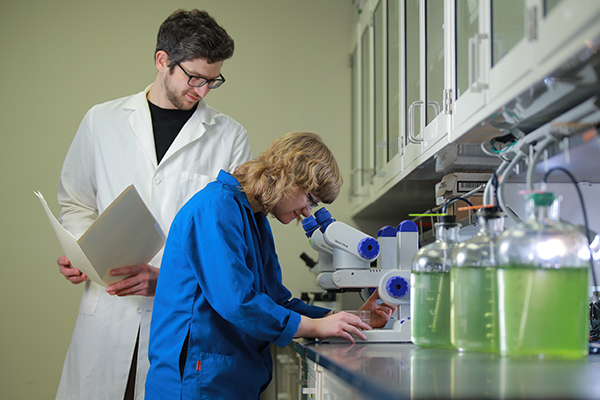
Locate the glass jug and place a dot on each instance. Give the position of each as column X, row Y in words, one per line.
column 430, row 287
column 542, row 284
column 473, row 291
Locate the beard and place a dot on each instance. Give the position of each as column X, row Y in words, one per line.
column 177, row 99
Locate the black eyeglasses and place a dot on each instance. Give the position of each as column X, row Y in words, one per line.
column 311, row 202
column 198, row 81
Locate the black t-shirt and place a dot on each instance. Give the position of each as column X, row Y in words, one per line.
column 167, row 124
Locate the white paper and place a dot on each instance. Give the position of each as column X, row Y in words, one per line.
column 126, row 233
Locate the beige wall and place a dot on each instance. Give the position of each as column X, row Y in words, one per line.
column 289, row 72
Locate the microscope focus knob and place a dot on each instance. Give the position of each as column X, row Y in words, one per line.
column 397, row 287
column 368, row 248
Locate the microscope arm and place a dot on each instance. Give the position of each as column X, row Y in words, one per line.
column 393, row 285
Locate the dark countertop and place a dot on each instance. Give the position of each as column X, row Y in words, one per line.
column 405, row 371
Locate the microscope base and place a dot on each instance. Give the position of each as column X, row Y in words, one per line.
column 399, row 333
column 385, row 336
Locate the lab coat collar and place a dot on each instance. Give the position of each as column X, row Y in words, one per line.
column 204, row 113
column 141, row 123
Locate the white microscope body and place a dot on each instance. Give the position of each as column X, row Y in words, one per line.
column 317, row 242
column 351, row 253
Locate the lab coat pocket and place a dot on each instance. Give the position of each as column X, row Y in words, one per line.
column 190, row 183
column 89, row 298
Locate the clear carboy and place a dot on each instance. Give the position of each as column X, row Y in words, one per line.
column 542, row 284
column 430, row 287
column 473, row 289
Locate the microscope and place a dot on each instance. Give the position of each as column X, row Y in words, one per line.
column 345, row 258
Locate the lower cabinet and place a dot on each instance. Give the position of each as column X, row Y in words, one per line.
column 288, row 375
column 297, row 377
column 336, row 389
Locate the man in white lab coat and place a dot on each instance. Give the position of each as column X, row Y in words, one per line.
column 169, row 144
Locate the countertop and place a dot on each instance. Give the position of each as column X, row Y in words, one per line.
column 405, row 371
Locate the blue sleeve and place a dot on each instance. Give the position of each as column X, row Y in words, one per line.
column 222, row 250
column 281, row 294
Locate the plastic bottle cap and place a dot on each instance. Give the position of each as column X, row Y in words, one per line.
column 490, row 212
column 542, row 199
column 448, row 218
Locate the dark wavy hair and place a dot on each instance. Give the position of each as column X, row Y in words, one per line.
column 190, row 35
column 296, row 160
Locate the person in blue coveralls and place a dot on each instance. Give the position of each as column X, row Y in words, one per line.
column 220, row 301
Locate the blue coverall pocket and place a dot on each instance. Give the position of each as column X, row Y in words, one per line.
column 217, row 376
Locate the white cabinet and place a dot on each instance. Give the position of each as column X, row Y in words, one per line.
column 363, row 157
column 471, row 22
column 336, row 389
column 299, row 377
column 429, row 73
column 503, row 47
column 512, row 46
column 288, row 374
column 425, row 78
column 564, row 27
column 313, row 387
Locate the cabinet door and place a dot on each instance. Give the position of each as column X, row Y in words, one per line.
column 356, row 143
column 512, row 46
column 394, row 73
column 426, row 77
column 435, row 72
column 366, row 128
column 381, row 145
column 362, row 110
column 386, row 59
column 470, row 47
column 411, row 138
column 565, row 27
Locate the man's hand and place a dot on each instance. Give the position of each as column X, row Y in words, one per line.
column 73, row 275
column 141, row 281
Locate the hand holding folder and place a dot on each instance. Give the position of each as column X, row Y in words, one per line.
column 126, row 233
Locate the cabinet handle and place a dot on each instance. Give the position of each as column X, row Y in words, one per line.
column 436, row 107
column 309, row 390
column 411, row 122
column 474, row 60
column 411, row 118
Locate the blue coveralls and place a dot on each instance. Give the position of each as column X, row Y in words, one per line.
column 220, row 301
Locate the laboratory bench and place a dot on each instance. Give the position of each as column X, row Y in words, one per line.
column 308, row 369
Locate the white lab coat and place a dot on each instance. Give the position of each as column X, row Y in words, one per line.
column 113, row 148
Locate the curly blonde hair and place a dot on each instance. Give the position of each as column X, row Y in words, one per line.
column 296, row 160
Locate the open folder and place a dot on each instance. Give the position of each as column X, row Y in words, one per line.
column 126, row 233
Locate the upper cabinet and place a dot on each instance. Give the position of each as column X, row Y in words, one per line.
column 511, row 44
column 563, row 28
column 428, row 74
column 471, row 23
column 425, row 79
